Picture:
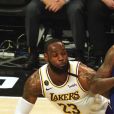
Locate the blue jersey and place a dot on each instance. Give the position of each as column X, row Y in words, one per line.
column 112, row 95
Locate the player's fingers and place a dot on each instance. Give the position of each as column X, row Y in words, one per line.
column 47, row 6
column 52, row 8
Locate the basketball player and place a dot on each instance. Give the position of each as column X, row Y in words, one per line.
column 106, row 71
column 65, row 83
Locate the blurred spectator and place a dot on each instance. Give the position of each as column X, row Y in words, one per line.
column 49, row 9
column 98, row 13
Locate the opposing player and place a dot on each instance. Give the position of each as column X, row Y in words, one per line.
column 106, row 74
column 66, row 83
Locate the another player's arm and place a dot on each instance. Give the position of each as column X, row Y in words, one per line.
column 32, row 90
column 90, row 81
column 103, row 81
column 106, row 68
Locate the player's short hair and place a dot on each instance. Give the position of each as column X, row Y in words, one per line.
column 50, row 41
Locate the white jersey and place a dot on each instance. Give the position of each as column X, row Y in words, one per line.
column 71, row 97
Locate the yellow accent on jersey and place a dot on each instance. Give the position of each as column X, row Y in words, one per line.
column 71, row 97
column 41, row 81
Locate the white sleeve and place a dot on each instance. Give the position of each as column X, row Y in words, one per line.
column 23, row 107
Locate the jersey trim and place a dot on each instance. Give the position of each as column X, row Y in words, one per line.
column 77, row 68
column 81, row 86
column 42, row 84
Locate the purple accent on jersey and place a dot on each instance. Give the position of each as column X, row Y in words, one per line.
column 112, row 95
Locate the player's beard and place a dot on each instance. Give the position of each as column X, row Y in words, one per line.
column 61, row 70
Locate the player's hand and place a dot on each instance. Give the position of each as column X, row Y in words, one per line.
column 48, row 2
column 55, row 5
column 109, row 3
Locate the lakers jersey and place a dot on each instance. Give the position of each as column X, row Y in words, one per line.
column 70, row 97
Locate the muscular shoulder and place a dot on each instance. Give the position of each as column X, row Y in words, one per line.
column 86, row 74
column 33, row 81
column 32, row 88
column 85, row 71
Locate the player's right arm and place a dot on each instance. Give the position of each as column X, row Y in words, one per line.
column 32, row 89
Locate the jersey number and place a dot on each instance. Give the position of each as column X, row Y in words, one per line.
column 72, row 108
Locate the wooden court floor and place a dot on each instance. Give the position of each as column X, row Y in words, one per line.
column 42, row 106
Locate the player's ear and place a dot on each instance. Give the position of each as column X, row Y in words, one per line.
column 46, row 57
